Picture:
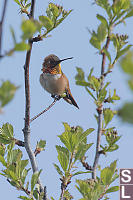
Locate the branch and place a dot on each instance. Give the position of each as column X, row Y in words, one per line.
column 19, row 142
column 26, row 129
column 51, row 105
column 1, row 23
column 100, row 115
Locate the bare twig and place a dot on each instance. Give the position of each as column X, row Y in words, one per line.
column 43, row 111
column 1, row 23
column 100, row 115
column 26, row 129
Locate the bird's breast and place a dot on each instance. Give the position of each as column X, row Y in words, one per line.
column 53, row 83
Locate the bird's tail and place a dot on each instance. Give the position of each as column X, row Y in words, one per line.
column 69, row 98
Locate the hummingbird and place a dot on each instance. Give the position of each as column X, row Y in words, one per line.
column 54, row 81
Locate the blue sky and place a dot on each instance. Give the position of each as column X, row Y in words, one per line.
column 71, row 38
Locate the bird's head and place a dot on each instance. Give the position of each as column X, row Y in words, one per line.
column 52, row 65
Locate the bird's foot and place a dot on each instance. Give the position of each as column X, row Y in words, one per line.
column 57, row 97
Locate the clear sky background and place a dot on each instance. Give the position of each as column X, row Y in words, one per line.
column 71, row 38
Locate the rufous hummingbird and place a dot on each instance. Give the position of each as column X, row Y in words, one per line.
column 54, row 81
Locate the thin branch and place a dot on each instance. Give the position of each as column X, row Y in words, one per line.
column 51, row 105
column 63, row 187
column 1, row 23
column 26, row 129
column 100, row 115
column 19, row 142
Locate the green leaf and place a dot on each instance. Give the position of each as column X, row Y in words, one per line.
column 7, row 92
column 115, row 96
column 81, row 150
column 63, row 157
column 103, row 20
column 17, row 1
column 102, row 95
column 129, row 13
column 90, row 93
column 24, row 198
column 47, row 22
column 34, row 179
column 126, row 63
column 82, row 83
column 95, row 42
column 123, row 51
column 106, row 176
column 36, row 194
column 22, row 46
column 130, row 83
column 95, row 83
column 112, row 189
column 108, row 115
column 29, row 28
column 66, row 126
column 114, row 147
column 80, row 75
column 4, row 139
column 101, row 32
column 2, row 160
column 41, row 145
column 81, row 172
column 106, row 5
column 58, row 170
column 7, row 130
column 52, row 12
column 2, row 149
column 126, row 112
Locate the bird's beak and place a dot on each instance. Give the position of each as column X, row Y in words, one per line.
column 59, row 61
column 65, row 59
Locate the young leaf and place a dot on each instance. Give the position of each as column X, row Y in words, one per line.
column 2, row 160
column 101, row 32
column 112, row 189
column 126, row 63
column 17, row 1
column 66, row 126
column 80, row 172
column 29, row 28
column 58, row 170
column 34, row 179
column 24, row 198
column 95, row 42
column 90, row 93
column 123, row 51
column 103, row 20
column 47, row 22
column 22, row 46
column 63, row 157
column 108, row 115
column 80, row 75
column 7, row 92
column 106, row 176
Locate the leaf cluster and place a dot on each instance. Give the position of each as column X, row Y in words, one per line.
column 116, row 12
column 91, row 189
column 37, row 29
column 75, row 142
column 14, row 167
column 93, row 86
